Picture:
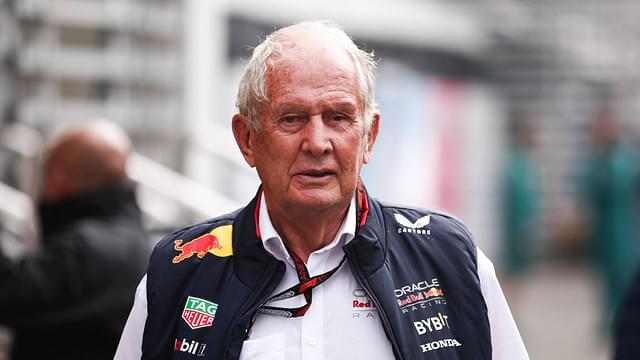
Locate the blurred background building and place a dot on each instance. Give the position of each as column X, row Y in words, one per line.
column 454, row 77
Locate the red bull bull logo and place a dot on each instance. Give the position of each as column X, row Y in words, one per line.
column 434, row 292
column 216, row 242
column 199, row 247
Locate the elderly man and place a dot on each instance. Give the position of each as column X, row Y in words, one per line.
column 313, row 267
column 70, row 299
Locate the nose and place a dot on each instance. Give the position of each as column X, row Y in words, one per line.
column 316, row 137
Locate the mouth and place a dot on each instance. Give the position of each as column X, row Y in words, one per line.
column 316, row 174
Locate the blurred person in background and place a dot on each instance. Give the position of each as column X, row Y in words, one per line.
column 70, row 298
column 314, row 267
column 520, row 201
column 610, row 196
column 627, row 330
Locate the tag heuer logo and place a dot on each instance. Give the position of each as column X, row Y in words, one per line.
column 413, row 227
column 199, row 313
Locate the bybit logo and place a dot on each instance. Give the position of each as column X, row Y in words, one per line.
column 191, row 347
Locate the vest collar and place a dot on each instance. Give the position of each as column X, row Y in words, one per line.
column 252, row 259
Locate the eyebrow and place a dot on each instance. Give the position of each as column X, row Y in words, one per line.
column 291, row 108
column 341, row 106
column 347, row 107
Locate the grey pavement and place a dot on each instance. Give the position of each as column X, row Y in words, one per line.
column 557, row 311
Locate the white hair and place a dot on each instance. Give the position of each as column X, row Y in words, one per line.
column 252, row 91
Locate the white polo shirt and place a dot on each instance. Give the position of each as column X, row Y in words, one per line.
column 342, row 321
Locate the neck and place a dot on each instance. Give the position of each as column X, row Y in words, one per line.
column 307, row 231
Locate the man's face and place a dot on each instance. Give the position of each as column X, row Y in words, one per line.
column 312, row 143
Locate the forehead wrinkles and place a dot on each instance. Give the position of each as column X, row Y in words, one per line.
column 313, row 67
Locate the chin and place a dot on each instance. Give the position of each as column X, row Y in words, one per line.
column 317, row 200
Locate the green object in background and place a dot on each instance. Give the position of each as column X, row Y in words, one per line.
column 610, row 192
column 521, row 209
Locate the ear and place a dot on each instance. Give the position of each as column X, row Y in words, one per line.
column 371, row 138
column 244, row 134
column 55, row 184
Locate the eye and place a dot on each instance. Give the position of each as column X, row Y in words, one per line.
column 291, row 122
column 339, row 117
column 289, row 119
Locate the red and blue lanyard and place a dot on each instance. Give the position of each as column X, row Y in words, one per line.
column 307, row 283
column 303, row 287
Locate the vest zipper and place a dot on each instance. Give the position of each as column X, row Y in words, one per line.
column 385, row 321
column 268, row 274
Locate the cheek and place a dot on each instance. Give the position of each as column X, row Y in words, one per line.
column 352, row 159
column 273, row 164
column 268, row 149
column 355, row 151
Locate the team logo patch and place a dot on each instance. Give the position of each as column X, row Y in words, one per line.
column 216, row 242
column 432, row 324
column 420, row 295
column 199, row 313
column 417, row 227
column 440, row 344
column 362, row 306
column 191, row 347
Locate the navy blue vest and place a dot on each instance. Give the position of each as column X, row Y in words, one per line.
column 205, row 283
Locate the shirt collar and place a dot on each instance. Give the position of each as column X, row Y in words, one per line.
column 272, row 241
